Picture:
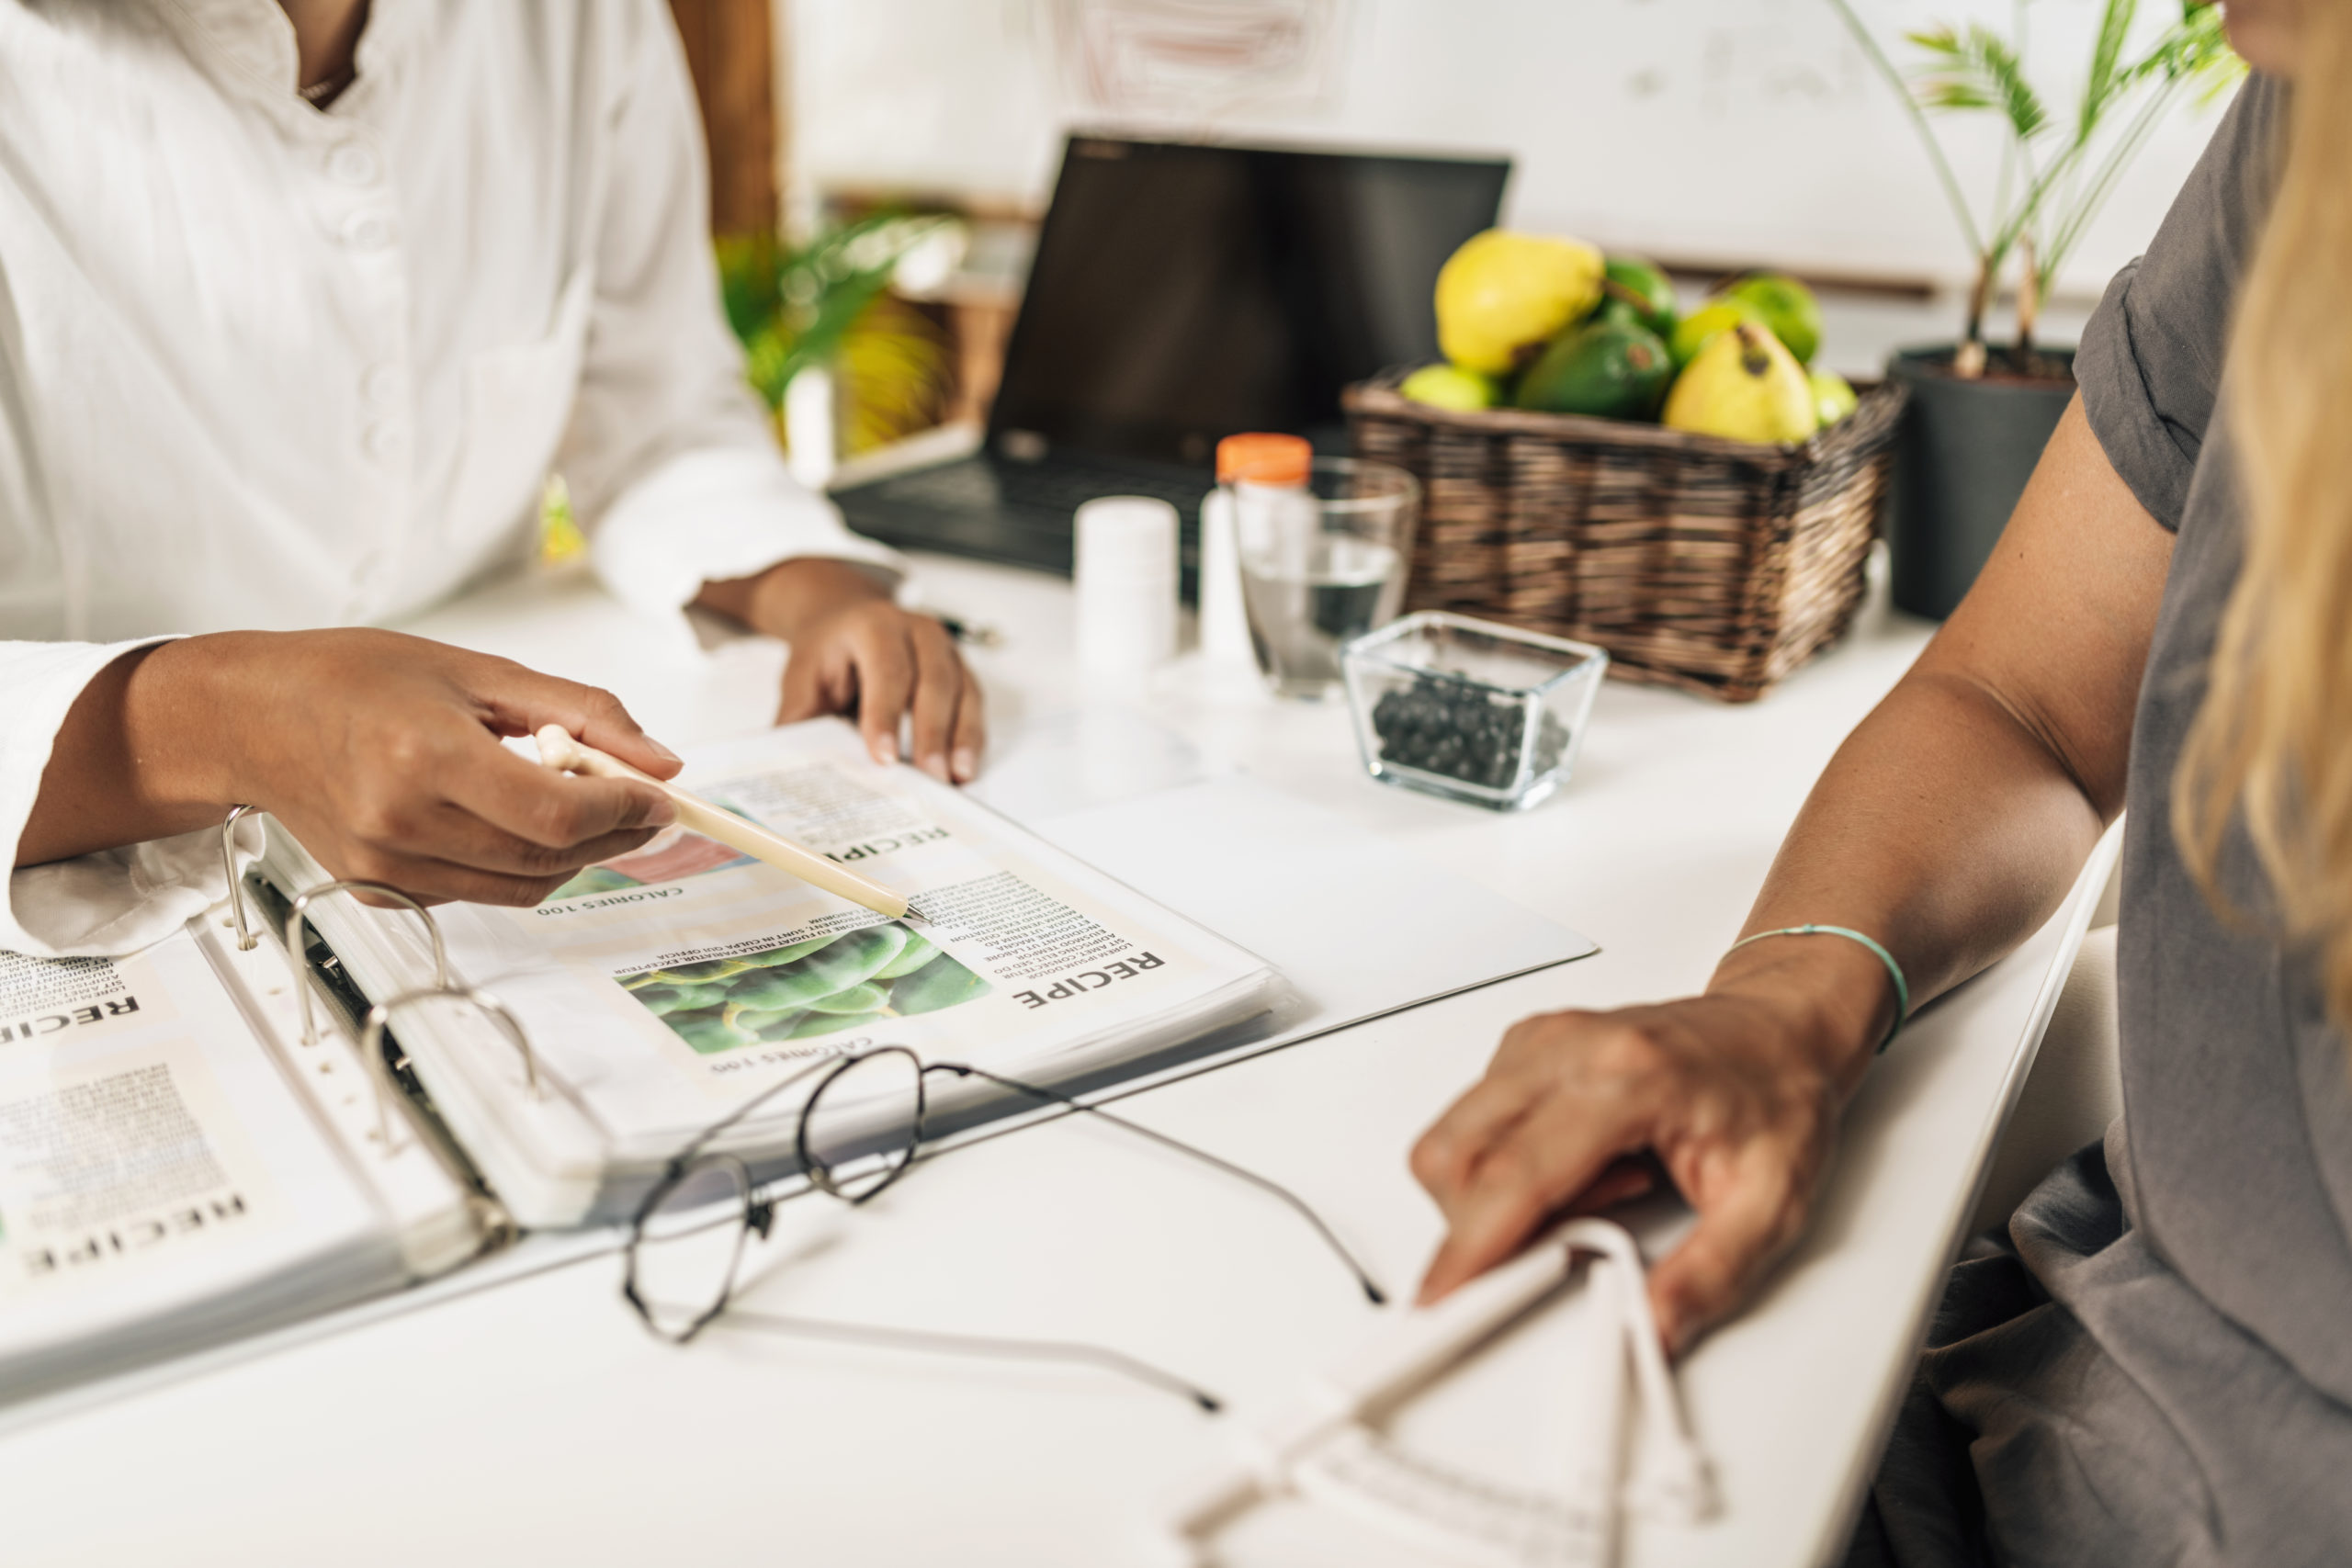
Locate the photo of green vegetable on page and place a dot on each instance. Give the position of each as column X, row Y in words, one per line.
column 820, row 987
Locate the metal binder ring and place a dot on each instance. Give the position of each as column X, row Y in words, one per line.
column 294, row 933
column 371, row 1041
column 245, row 938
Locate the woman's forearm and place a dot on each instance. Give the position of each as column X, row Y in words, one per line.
column 1945, row 828
column 1954, row 819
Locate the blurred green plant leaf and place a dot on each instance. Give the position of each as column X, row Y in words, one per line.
column 827, row 304
column 2104, row 80
column 1978, row 69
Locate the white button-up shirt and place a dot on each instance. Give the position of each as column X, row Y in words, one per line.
column 265, row 366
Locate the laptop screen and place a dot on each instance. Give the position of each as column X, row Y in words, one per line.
column 1182, row 292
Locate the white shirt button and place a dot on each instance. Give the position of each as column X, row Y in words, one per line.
column 380, row 440
column 353, row 164
column 378, row 384
column 368, row 231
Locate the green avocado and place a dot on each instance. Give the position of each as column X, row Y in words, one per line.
column 1635, row 291
column 1608, row 368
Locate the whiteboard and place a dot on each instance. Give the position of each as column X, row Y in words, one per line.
column 1737, row 131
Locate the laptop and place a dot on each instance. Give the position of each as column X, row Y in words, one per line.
column 1180, row 292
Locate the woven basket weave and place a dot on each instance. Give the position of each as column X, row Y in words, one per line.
column 1712, row 565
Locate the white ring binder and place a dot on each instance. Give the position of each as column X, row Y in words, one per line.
column 294, row 937
column 245, row 938
column 371, row 1041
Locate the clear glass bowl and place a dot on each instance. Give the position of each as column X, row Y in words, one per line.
column 1471, row 710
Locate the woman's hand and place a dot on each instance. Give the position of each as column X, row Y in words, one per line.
column 853, row 650
column 380, row 751
column 1734, row 1094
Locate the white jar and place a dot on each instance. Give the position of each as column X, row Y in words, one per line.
column 1126, row 571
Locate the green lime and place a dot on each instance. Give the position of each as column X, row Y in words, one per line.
column 1695, row 331
column 1786, row 306
column 1635, row 290
column 1450, row 386
column 1833, row 399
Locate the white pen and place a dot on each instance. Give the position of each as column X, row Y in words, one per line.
column 561, row 750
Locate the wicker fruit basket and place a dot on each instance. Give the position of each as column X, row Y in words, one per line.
column 1714, row 566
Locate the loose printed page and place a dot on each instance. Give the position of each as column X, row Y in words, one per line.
column 662, row 988
column 158, row 1180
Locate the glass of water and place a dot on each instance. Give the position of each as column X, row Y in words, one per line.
column 1322, row 563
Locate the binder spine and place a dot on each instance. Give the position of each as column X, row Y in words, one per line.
column 302, row 904
column 334, row 1071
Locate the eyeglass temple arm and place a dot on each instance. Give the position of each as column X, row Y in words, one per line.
column 976, row 1345
column 702, row 1139
column 1299, row 1205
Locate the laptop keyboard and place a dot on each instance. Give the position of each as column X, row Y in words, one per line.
column 1011, row 511
column 1064, row 486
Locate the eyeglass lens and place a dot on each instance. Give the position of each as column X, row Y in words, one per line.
column 863, row 1125
column 682, row 1260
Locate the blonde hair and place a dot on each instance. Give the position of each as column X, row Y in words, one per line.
column 2272, row 744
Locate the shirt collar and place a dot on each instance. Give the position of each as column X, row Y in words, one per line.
column 254, row 37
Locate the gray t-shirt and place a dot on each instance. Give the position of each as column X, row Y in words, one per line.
column 2156, row 1365
column 2237, row 1091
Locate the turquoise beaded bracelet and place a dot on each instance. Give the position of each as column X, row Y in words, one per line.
column 1894, row 970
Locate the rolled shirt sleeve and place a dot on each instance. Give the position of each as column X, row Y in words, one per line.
column 2150, row 361
column 672, row 462
column 713, row 513
column 113, row 902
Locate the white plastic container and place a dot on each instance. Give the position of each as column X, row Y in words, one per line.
column 1127, row 579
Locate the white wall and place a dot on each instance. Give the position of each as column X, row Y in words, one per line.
column 1733, row 131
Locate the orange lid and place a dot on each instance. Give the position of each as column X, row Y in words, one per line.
column 1263, row 458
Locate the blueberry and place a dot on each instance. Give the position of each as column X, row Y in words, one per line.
column 1447, row 726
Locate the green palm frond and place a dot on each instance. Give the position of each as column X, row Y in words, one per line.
column 2195, row 52
column 2192, row 59
column 747, row 280
column 2055, row 176
column 826, row 303
column 1978, row 69
column 2106, row 79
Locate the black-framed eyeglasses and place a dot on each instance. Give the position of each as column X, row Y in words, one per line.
column 858, row 1131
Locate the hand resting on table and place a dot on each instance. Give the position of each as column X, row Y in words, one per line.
column 1734, row 1094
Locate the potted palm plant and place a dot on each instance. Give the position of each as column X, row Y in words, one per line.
column 842, row 363
column 1980, row 413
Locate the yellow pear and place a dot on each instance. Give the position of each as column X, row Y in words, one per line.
column 1502, row 295
column 1746, row 386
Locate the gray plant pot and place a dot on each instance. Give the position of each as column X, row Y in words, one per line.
column 1961, row 461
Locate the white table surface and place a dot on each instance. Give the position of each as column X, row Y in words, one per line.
column 535, row 1422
